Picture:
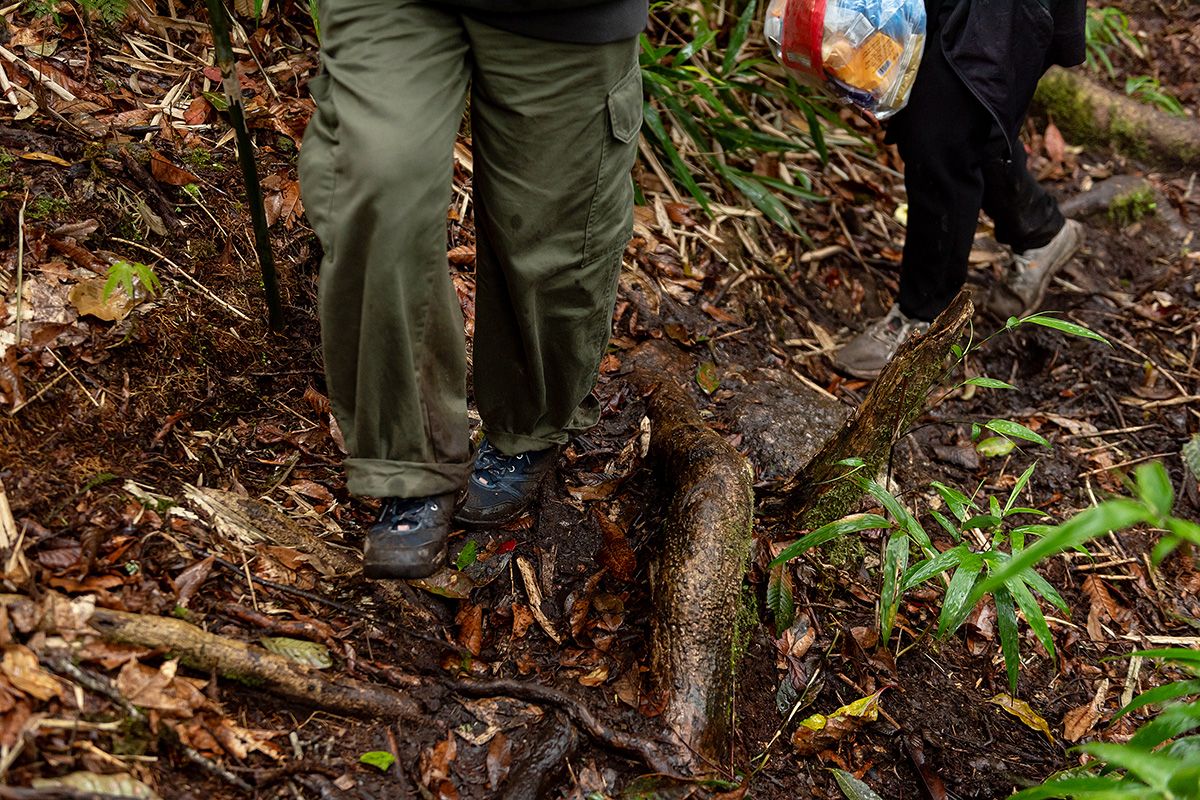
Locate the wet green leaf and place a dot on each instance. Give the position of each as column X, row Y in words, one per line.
column 852, row 787
column 957, row 603
column 851, row 524
column 466, row 556
column 380, row 759
column 1064, row 326
column 738, row 38
column 780, row 599
column 1010, row 428
column 988, row 383
column 1154, row 487
column 1006, row 627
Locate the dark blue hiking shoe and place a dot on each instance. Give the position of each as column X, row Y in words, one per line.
column 408, row 539
column 501, row 486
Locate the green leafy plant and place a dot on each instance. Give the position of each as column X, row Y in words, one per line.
column 110, row 11
column 988, row 537
column 699, row 115
column 122, row 273
column 1103, row 30
column 1147, row 90
column 1162, row 759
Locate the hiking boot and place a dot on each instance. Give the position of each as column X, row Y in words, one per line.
column 867, row 354
column 408, row 539
column 501, row 486
column 1024, row 289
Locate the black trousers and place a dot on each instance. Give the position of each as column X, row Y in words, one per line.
column 957, row 161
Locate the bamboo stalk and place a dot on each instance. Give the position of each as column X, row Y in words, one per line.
column 237, row 117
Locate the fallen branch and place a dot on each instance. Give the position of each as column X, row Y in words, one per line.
column 816, row 495
column 243, row 662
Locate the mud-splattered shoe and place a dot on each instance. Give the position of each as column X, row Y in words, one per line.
column 408, row 539
column 867, row 354
column 502, row 486
column 1024, row 289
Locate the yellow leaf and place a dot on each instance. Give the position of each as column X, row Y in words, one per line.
column 45, row 157
column 1024, row 712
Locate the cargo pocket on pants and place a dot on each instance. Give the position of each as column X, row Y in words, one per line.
column 610, row 218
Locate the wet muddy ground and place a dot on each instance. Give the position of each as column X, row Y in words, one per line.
column 107, row 421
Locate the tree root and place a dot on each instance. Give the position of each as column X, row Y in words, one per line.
column 1089, row 113
column 654, row 755
column 556, row 743
column 815, row 495
column 697, row 581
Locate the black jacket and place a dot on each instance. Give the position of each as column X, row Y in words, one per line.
column 1001, row 48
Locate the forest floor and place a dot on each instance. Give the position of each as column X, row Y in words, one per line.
column 113, row 408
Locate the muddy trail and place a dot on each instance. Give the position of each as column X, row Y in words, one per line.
column 170, row 468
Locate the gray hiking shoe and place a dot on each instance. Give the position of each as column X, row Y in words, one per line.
column 1024, row 289
column 867, row 354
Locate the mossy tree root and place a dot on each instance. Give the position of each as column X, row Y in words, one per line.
column 696, row 582
column 1091, row 114
column 815, row 495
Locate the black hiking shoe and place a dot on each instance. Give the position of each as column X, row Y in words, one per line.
column 501, row 486
column 408, row 539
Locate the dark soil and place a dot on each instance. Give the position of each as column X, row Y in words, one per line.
column 106, row 421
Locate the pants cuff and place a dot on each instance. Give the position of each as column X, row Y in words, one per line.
column 513, row 444
column 375, row 477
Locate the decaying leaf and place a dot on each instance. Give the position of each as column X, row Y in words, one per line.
column 161, row 689
column 616, row 554
column 191, row 579
column 88, row 299
column 21, row 667
column 446, row 582
column 120, row 784
column 166, row 172
column 310, row 654
column 818, row 732
column 1024, row 712
column 1078, row 722
column 499, row 758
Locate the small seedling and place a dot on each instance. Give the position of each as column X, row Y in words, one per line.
column 122, row 273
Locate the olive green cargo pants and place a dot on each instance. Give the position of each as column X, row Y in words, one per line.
column 554, row 130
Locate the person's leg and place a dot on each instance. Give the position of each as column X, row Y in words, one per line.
column 554, row 131
column 376, row 170
column 944, row 135
column 1028, row 220
column 1025, row 215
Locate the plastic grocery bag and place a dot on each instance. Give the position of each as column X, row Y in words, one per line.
column 863, row 52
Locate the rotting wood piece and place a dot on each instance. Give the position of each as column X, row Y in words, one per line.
column 815, row 495
column 697, row 581
column 243, row 662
